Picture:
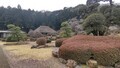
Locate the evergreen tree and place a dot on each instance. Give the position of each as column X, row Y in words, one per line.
column 95, row 23
column 16, row 33
column 66, row 30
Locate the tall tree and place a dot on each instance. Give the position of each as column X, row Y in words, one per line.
column 19, row 6
column 111, row 8
column 89, row 2
column 95, row 23
column 111, row 2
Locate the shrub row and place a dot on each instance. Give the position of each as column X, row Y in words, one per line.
column 106, row 50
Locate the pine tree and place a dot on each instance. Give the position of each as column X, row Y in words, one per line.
column 16, row 33
column 66, row 30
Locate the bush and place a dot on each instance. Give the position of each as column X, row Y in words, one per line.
column 49, row 40
column 16, row 34
column 59, row 42
column 65, row 30
column 41, row 41
column 95, row 23
column 105, row 50
column 11, row 39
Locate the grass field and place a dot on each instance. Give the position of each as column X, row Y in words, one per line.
column 22, row 56
column 24, row 52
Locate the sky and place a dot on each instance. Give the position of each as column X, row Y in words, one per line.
column 50, row 5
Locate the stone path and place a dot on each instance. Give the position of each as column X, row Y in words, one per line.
column 3, row 60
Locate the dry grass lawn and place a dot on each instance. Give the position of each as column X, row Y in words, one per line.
column 25, row 52
column 22, row 56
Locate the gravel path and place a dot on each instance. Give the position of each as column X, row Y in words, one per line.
column 3, row 60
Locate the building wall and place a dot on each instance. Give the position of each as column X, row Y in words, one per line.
column 5, row 35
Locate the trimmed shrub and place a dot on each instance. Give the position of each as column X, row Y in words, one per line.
column 41, row 41
column 59, row 42
column 11, row 39
column 49, row 40
column 105, row 50
column 107, row 57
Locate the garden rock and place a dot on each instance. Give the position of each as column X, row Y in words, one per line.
column 106, row 67
column 71, row 63
column 92, row 64
column 37, row 46
column 33, row 46
column 55, row 52
column 117, row 65
column 62, row 60
column 78, row 66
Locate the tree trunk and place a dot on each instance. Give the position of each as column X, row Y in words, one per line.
column 111, row 3
column 97, row 33
column 111, row 9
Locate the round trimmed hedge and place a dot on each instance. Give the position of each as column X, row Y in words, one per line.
column 59, row 42
column 41, row 41
column 105, row 50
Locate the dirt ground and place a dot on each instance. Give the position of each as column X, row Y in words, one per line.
column 3, row 60
column 21, row 56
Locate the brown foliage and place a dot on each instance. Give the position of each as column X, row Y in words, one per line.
column 59, row 42
column 41, row 41
column 105, row 50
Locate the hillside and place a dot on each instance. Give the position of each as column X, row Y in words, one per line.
column 30, row 19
